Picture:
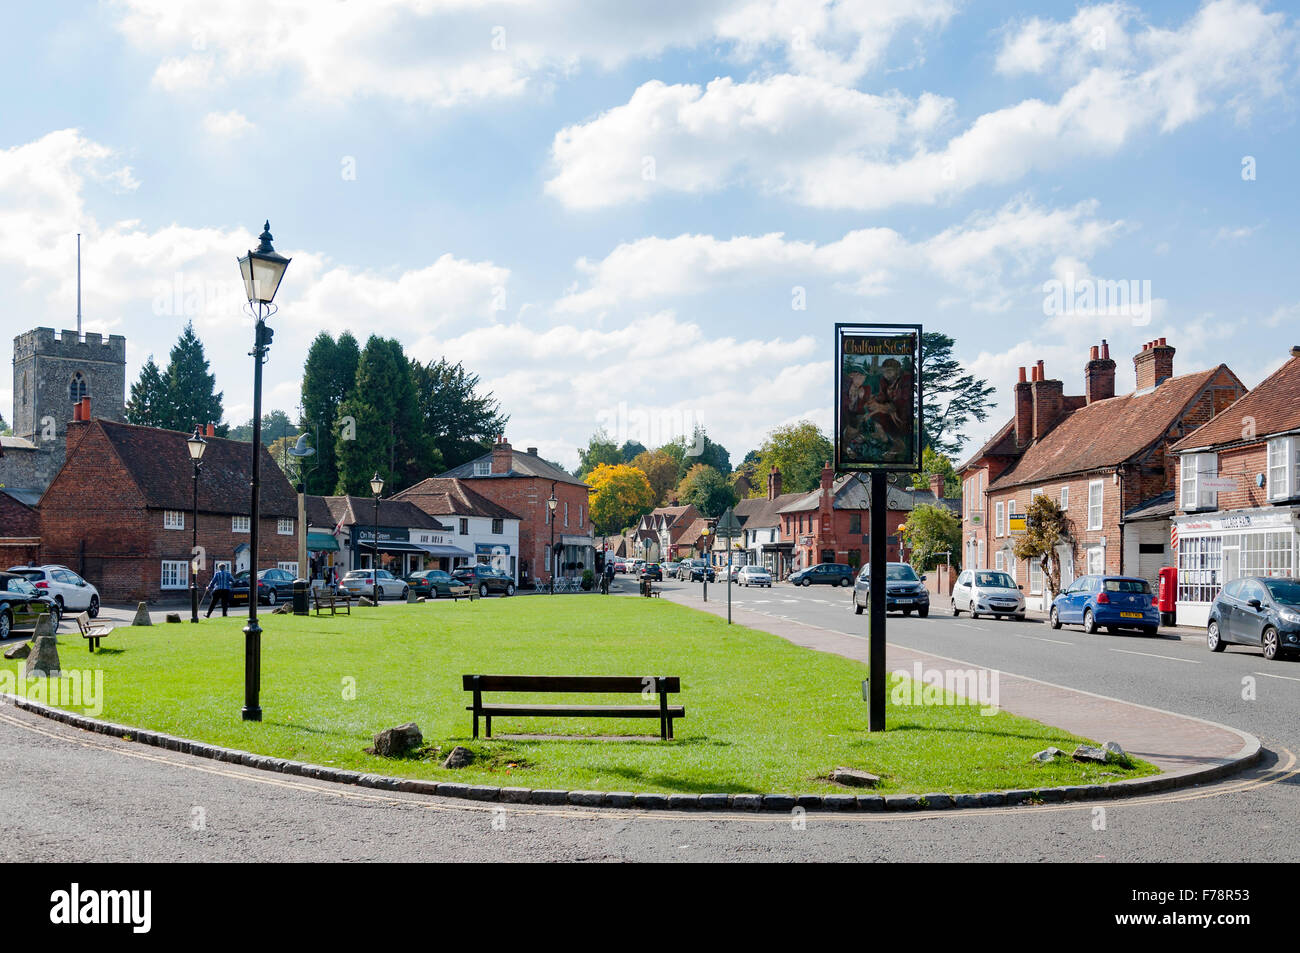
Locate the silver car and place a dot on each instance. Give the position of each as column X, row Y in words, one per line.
column 987, row 592
column 754, row 576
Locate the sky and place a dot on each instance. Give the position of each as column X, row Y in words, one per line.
column 646, row 216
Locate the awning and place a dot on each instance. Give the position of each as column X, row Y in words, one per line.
column 322, row 543
column 442, row 549
column 394, row 546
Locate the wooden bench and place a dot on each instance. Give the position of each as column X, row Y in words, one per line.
column 471, row 595
column 625, row 684
column 332, row 600
column 92, row 631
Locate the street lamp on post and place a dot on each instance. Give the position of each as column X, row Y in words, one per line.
column 262, row 270
column 376, row 487
column 196, row 445
column 551, row 504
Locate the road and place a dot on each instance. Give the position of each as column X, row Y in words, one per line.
column 88, row 797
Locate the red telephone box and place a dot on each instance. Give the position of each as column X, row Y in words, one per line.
column 1167, row 600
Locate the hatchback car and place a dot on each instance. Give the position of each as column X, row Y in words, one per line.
column 273, row 585
column 435, row 583
column 695, row 570
column 670, row 568
column 990, row 592
column 485, row 579
column 653, row 571
column 824, row 574
column 69, row 591
column 21, row 604
column 905, row 591
column 1256, row 610
column 1115, row 602
column 362, row 582
column 754, row 576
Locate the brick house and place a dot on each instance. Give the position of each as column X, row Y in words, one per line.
column 833, row 523
column 409, row 538
column 1105, row 458
column 667, row 526
column 522, row 483
column 119, row 510
column 1246, row 522
column 20, row 541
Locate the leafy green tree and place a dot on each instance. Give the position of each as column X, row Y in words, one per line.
column 149, row 404
column 934, row 462
column 1048, row 527
column 930, row 532
column 460, row 422
column 600, row 450
column 799, row 451
column 631, row 449
column 328, row 379
column 953, row 398
column 707, row 489
column 620, row 495
column 701, row 450
column 275, row 425
column 191, row 389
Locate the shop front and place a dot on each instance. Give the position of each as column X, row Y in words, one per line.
column 322, row 556
column 1215, row 548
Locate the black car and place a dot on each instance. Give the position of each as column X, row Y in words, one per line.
column 653, row 571
column 273, row 585
column 905, row 591
column 485, row 579
column 695, row 570
column 1257, row 610
column 824, row 574
column 435, row 583
column 21, row 604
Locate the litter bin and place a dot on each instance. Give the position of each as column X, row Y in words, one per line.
column 301, row 594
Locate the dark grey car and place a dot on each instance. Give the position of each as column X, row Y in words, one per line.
column 905, row 591
column 1256, row 610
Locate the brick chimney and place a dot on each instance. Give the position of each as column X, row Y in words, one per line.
column 936, row 485
column 1154, row 364
column 209, row 430
column 1024, row 410
column 80, row 420
column 1048, row 402
column 532, row 451
column 502, row 456
column 1099, row 375
column 773, row 483
column 828, row 476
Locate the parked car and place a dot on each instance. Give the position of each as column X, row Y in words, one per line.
column 1256, row 610
column 754, row 576
column 904, row 591
column 435, row 583
column 1116, row 602
column 824, row 574
column 696, row 570
column 484, row 578
column 653, row 571
column 670, row 568
column 68, row 590
column 273, row 585
column 362, row 582
column 990, row 592
column 620, row 565
column 21, row 604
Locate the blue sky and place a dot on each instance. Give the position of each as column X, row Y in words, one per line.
column 607, row 209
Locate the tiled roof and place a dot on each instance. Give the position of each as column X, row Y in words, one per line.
column 1107, row 433
column 318, row 512
column 521, row 465
column 439, row 496
column 768, row 514
column 1273, row 406
column 1157, row 508
column 1001, row 444
column 351, row 510
column 159, row 463
column 849, row 493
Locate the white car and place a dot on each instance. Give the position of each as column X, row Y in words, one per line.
column 754, row 576
column 361, row 582
column 987, row 592
column 69, row 591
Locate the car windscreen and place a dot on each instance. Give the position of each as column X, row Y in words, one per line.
column 1285, row 591
column 994, row 580
column 900, row 574
column 19, row 587
column 1127, row 585
column 29, row 573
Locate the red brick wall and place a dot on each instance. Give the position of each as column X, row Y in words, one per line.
column 841, row 539
column 526, row 497
column 17, row 519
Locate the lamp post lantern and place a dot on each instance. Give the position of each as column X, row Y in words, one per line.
column 376, row 487
column 262, row 270
column 196, row 445
column 551, row 504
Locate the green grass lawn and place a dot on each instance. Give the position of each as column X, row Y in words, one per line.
column 762, row 715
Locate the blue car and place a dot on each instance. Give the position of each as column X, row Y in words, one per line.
column 1112, row 602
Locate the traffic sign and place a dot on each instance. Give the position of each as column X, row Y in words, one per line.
column 728, row 526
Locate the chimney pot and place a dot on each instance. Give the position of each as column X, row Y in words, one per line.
column 1105, row 350
column 1093, row 353
column 1295, row 350
column 1022, row 375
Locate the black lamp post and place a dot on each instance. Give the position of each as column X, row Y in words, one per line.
column 196, row 445
column 262, row 271
column 376, row 487
column 551, row 504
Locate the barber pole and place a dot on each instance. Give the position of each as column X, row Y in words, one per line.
column 1173, row 538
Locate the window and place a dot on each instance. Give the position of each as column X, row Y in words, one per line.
column 1035, row 576
column 999, row 520
column 173, row 519
column 999, row 561
column 1266, row 554
column 566, row 512
column 483, row 468
column 1065, row 497
column 1096, row 561
column 1200, row 560
column 855, row 523
column 77, row 388
column 1096, row 491
column 175, row 574
column 1283, row 468
column 290, row 568
column 464, row 527
column 284, row 528
column 498, row 527
column 1193, row 469
column 239, row 524
column 579, row 514
column 1036, row 491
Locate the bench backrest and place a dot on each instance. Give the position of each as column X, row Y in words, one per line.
column 83, row 621
column 631, row 684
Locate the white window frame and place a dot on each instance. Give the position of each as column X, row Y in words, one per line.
column 175, row 574
column 1036, row 577
column 284, row 527
column 241, row 524
column 483, row 468
column 1065, row 497
column 999, row 519
column 1099, row 506
column 1282, row 468
column 291, row 567
column 173, row 519
column 1100, row 553
column 1191, row 468
column 999, row 561
column 498, row 527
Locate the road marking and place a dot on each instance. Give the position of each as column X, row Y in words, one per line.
column 1289, row 678
column 1153, row 655
column 1039, row 638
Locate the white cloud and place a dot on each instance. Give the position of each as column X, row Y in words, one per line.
column 227, row 125
column 829, row 147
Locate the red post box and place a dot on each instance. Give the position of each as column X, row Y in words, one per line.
column 1167, row 600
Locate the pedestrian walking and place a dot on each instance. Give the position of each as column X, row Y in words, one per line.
column 221, row 585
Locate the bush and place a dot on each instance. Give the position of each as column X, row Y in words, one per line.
column 588, row 580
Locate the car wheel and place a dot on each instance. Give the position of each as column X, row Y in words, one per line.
column 973, row 613
column 955, row 611
column 1054, row 618
column 270, row 597
column 6, row 624
column 805, row 581
column 93, row 611
column 1150, row 630
column 406, row 591
column 857, row 609
column 482, row 590
column 379, row 593
column 56, row 611
column 922, row 613
column 846, row 581
column 510, row 589
column 1212, row 639
column 58, row 601
column 1271, row 644
column 1089, row 622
